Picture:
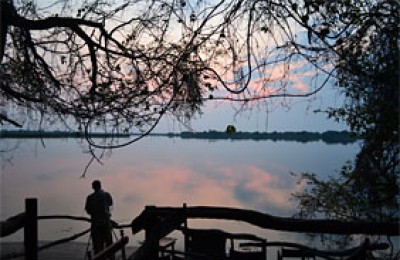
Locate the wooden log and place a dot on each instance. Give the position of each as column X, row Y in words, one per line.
column 267, row 221
column 112, row 249
column 12, row 225
column 63, row 240
column 64, row 217
column 114, row 224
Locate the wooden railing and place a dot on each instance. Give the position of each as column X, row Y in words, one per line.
column 158, row 222
column 111, row 250
column 263, row 220
column 28, row 221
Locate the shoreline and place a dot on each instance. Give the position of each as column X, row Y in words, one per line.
column 328, row 137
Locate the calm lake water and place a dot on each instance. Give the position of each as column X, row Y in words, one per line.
column 164, row 172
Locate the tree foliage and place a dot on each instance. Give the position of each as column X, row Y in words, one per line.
column 367, row 73
column 126, row 64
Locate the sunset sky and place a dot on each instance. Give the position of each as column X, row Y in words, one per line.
column 284, row 115
column 276, row 114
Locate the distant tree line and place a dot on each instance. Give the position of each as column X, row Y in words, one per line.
column 329, row 137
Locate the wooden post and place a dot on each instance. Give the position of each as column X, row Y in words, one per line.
column 185, row 226
column 31, row 229
column 150, row 234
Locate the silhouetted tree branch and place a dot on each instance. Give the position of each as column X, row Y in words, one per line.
column 123, row 66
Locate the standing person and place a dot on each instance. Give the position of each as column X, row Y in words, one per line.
column 98, row 207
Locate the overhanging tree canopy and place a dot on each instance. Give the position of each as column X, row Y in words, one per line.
column 126, row 64
column 368, row 74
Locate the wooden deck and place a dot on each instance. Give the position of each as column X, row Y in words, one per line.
column 67, row 251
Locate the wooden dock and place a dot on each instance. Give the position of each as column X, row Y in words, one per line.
column 67, row 251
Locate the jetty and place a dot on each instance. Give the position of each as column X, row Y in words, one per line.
column 158, row 223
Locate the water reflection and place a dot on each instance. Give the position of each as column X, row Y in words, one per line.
column 163, row 172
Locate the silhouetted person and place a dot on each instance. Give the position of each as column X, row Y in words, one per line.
column 98, row 207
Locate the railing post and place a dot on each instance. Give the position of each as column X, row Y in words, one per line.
column 31, row 229
column 150, row 234
column 185, row 226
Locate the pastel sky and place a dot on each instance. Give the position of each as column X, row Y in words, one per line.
column 275, row 114
column 296, row 114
